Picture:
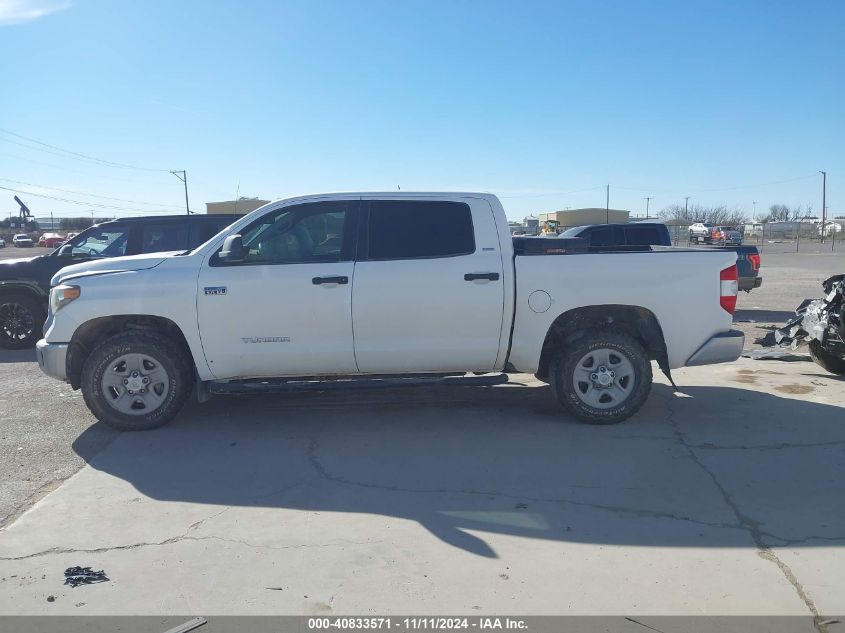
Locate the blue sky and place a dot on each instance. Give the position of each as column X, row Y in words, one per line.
column 542, row 103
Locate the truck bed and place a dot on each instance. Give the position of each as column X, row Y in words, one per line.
column 549, row 285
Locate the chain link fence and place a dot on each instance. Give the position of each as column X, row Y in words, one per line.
column 777, row 237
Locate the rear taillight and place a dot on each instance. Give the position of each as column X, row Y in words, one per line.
column 728, row 288
column 754, row 258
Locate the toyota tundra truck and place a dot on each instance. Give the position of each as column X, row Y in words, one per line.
column 369, row 289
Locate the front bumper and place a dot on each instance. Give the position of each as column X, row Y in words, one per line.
column 725, row 347
column 52, row 358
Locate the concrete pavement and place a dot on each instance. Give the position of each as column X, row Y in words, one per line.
column 723, row 500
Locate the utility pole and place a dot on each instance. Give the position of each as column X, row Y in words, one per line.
column 607, row 207
column 754, row 202
column 647, row 200
column 183, row 178
column 686, row 208
column 824, row 202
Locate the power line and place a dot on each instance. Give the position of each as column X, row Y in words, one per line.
column 88, row 195
column 76, row 171
column 76, row 155
column 83, row 203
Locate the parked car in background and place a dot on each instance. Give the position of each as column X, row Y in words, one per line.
column 626, row 234
column 830, row 228
column 25, row 283
column 22, row 240
column 272, row 303
column 2, row 243
column 700, row 232
column 725, row 235
column 51, row 240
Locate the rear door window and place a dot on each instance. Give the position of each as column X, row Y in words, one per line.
column 413, row 229
column 164, row 236
column 643, row 236
column 605, row 236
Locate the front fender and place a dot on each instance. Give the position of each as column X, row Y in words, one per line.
column 23, row 286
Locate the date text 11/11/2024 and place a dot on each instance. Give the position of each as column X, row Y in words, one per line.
column 416, row 623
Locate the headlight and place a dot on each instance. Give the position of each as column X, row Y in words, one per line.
column 62, row 295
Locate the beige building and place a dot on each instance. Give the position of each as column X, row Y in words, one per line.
column 580, row 217
column 241, row 206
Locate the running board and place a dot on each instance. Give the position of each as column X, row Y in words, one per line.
column 280, row 385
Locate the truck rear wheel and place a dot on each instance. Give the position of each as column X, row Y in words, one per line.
column 136, row 381
column 824, row 359
column 21, row 320
column 603, row 377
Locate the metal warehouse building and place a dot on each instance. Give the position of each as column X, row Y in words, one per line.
column 579, row 217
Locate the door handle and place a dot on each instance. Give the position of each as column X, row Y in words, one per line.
column 330, row 280
column 487, row 276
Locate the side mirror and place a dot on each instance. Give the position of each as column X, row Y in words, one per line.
column 233, row 250
column 66, row 251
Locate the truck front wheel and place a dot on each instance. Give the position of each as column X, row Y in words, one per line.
column 603, row 377
column 136, row 381
column 21, row 320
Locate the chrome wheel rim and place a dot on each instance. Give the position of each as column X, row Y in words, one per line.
column 603, row 378
column 135, row 384
column 16, row 322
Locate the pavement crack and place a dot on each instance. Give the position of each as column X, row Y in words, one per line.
column 764, row 551
column 643, row 625
column 763, row 447
column 314, row 446
column 177, row 539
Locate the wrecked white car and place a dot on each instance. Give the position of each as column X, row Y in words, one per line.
column 821, row 324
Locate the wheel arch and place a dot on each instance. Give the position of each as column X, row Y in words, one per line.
column 86, row 335
column 640, row 323
column 29, row 288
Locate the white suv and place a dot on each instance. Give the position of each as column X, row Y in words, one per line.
column 700, row 232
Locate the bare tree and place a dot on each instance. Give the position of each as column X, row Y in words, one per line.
column 784, row 213
column 716, row 215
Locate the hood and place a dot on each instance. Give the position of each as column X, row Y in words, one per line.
column 14, row 268
column 111, row 265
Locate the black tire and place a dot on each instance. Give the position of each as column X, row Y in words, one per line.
column 21, row 321
column 620, row 346
column 827, row 361
column 170, row 357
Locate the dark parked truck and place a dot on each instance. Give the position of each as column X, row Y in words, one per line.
column 25, row 282
column 634, row 235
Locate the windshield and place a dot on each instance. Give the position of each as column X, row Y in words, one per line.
column 98, row 242
column 573, row 232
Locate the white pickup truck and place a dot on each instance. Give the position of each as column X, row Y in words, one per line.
column 383, row 288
